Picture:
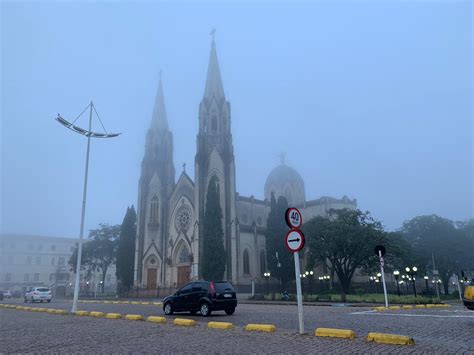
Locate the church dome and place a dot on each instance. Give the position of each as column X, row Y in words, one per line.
column 285, row 181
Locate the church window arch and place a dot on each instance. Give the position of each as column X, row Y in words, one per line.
column 183, row 256
column 246, row 263
column 263, row 263
column 154, row 210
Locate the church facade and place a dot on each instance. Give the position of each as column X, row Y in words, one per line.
column 170, row 213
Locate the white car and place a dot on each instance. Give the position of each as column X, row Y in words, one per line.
column 7, row 294
column 41, row 294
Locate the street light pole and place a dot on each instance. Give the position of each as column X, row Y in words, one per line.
column 88, row 133
column 426, row 283
column 396, row 273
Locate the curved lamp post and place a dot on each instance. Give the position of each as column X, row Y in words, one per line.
column 88, row 133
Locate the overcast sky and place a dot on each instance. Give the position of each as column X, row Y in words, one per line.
column 372, row 100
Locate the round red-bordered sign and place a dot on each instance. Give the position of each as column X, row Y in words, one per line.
column 293, row 218
column 294, row 240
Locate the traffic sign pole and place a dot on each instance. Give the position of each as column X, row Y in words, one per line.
column 299, row 297
column 383, row 279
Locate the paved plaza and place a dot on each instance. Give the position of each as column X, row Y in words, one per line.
column 434, row 330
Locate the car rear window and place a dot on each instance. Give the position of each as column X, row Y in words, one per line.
column 222, row 286
column 42, row 289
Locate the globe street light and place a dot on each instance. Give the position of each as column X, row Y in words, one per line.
column 88, row 133
column 396, row 273
column 412, row 272
column 267, row 276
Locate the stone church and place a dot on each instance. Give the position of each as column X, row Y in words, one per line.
column 170, row 212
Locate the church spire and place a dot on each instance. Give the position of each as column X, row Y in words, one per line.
column 214, row 85
column 159, row 120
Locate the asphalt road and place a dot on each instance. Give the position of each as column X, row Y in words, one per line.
column 434, row 330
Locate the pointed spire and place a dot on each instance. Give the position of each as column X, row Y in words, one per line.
column 214, row 85
column 159, row 120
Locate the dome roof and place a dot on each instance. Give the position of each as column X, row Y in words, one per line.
column 285, row 181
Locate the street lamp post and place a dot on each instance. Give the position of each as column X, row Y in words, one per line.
column 426, row 283
column 88, row 133
column 406, row 279
column 267, row 277
column 412, row 272
column 396, row 273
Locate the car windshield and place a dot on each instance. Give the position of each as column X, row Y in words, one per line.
column 222, row 286
column 42, row 289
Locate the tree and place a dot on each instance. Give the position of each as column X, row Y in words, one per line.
column 214, row 256
column 126, row 249
column 344, row 242
column 283, row 266
column 98, row 253
column 449, row 243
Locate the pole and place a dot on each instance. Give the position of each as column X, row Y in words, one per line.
column 83, row 213
column 383, row 279
column 414, row 286
column 298, row 292
column 459, row 288
column 398, row 288
column 253, row 288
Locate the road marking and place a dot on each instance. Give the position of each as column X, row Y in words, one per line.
column 412, row 315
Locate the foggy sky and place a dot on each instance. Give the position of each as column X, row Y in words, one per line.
column 372, row 100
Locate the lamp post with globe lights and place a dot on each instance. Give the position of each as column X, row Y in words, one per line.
column 426, row 284
column 396, row 274
column 267, row 277
column 412, row 273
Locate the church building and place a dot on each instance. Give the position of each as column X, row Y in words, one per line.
column 171, row 213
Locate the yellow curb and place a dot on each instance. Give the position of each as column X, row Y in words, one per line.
column 113, row 316
column 134, row 302
column 220, row 325
column 28, row 308
column 145, row 303
column 260, row 328
column 60, row 311
column 115, row 302
column 379, row 309
column 82, row 313
column 335, row 333
column 20, row 308
column 185, row 322
column 420, row 306
column 134, row 317
column 125, row 302
column 394, row 307
column 390, row 339
column 50, row 310
column 407, row 307
column 97, row 314
column 430, row 306
column 156, row 319
column 439, row 305
column 107, row 301
column 42, row 309
column 158, row 303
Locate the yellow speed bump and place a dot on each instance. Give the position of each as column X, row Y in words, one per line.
column 42, row 310
column 107, row 301
column 158, row 303
column 50, row 310
column 394, row 307
column 20, row 308
column 379, row 309
column 97, row 314
column 134, row 317
column 113, row 316
column 407, row 307
column 184, row 322
column 260, row 328
column 135, row 302
column 390, row 339
column 220, row 325
column 82, row 313
column 28, row 308
column 60, row 311
column 156, row 319
column 420, row 306
column 335, row 333
column 115, row 302
column 145, row 303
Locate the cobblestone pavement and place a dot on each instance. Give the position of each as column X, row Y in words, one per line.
column 434, row 330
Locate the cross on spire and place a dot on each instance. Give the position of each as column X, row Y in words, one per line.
column 184, row 167
column 213, row 31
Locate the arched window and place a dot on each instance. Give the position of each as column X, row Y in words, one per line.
column 183, row 256
column 263, row 263
column 246, row 262
column 154, row 209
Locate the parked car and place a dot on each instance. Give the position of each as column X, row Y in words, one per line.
column 41, row 294
column 7, row 294
column 1, row 295
column 202, row 296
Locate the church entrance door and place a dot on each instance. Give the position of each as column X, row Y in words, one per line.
column 151, row 278
column 183, row 274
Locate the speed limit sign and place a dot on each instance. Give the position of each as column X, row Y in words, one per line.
column 293, row 218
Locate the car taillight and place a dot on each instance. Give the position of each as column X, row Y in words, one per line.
column 213, row 290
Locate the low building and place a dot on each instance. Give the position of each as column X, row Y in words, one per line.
column 33, row 260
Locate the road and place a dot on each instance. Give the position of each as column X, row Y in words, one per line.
column 434, row 330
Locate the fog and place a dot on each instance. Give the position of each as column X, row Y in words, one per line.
column 372, row 100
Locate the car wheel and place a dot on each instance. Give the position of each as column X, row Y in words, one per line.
column 205, row 309
column 168, row 309
column 230, row 311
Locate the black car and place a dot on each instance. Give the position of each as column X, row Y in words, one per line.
column 202, row 296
